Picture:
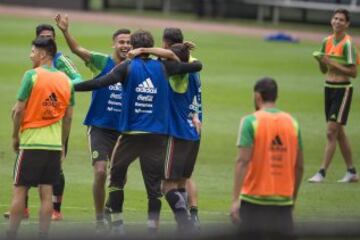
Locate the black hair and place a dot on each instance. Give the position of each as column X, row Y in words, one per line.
column 141, row 38
column 172, row 36
column 182, row 50
column 267, row 88
column 120, row 31
column 48, row 44
column 43, row 27
column 343, row 11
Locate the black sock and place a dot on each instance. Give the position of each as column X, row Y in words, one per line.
column 57, row 206
column 352, row 170
column 322, row 172
column 58, row 191
column 154, row 207
column 177, row 204
column 193, row 211
column 184, row 194
column 194, row 216
column 116, row 199
column 27, row 201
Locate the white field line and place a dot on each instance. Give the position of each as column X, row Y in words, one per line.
column 162, row 222
column 127, row 209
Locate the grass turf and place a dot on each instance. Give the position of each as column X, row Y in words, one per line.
column 231, row 66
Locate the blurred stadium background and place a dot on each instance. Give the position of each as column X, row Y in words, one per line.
column 232, row 48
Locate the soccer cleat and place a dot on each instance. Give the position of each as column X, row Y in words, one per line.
column 153, row 227
column 107, row 216
column 117, row 231
column 25, row 216
column 317, row 178
column 195, row 222
column 56, row 216
column 101, row 228
column 349, row 178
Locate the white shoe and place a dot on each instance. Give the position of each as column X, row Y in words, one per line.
column 317, row 178
column 117, row 231
column 349, row 177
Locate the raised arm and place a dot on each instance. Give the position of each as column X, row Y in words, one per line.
column 118, row 74
column 63, row 24
column 175, row 68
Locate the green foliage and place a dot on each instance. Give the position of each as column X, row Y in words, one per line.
column 231, row 66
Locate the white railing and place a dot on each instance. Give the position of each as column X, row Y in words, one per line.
column 352, row 6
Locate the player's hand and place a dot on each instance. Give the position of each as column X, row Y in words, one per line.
column 133, row 53
column 16, row 144
column 234, row 212
column 62, row 22
column 325, row 60
column 197, row 123
column 62, row 154
column 318, row 58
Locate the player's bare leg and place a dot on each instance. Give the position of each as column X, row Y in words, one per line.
column 99, row 194
column 192, row 191
column 16, row 210
column 46, row 209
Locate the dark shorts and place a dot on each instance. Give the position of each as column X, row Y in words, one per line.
column 180, row 159
column 101, row 143
column 151, row 151
column 265, row 222
column 338, row 98
column 34, row 167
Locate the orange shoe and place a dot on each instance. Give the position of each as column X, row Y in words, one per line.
column 56, row 216
column 25, row 216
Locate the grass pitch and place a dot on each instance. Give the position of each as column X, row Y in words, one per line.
column 231, row 66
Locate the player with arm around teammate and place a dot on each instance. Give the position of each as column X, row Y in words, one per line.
column 184, row 142
column 144, row 123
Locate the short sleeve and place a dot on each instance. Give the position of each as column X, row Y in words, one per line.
column 350, row 53
column 65, row 65
column 323, row 44
column 97, row 62
column 246, row 132
column 26, row 85
column 72, row 98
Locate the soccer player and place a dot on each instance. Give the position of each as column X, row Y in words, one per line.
column 105, row 108
column 338, row 59
column 184, row 125
column 186, row 186
column 41, row 119
column 268, row 168
column 64, row 64
column 143, row 123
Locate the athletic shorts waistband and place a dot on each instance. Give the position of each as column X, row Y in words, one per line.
column 338, row 84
